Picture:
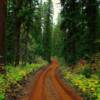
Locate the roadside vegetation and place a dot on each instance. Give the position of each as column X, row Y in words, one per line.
column 84, row 79
column 15, row 75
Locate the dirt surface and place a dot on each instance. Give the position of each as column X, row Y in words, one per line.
column 49, row 86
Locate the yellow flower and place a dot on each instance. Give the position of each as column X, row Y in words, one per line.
column 96, row 82
column 76, row 84
column 83, row 89
column 92, row 89
column 78, row 81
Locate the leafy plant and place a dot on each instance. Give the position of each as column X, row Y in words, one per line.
column 15, row 74
column 87, row 72
column 89, row 87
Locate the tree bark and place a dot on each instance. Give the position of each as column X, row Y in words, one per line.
column 2, row 32
column 17, row 42
column 18, row 4
column 91, row 11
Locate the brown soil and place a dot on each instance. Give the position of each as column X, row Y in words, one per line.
column 49, row 86
column 46, row 85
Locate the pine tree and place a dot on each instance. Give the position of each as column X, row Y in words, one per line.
column 18, row 20
column 69, row 27
column 10, row 34
column 47, row 31
column 91, row 13
column 3, row 5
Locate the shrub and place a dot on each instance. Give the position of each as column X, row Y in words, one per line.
column 87, row 72
column 89, row 87
column 14, row 75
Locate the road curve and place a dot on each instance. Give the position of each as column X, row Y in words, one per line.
column 49, row 86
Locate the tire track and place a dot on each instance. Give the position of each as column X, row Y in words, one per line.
column 49, row 86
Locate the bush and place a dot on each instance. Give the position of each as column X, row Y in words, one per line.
column 88, row 87
column 14, row 75
column 87, row 72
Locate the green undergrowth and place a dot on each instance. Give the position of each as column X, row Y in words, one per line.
column 16, row 74
column 89, row 88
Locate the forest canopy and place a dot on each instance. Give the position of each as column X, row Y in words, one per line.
column 28, row 31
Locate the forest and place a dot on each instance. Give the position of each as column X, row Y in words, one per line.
column 38, row 51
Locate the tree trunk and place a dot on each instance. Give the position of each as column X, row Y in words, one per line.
column 18, row 4
column 70, row 39
column 91, row 11
column 2, row 33
column 17, row 42
column 26, row 47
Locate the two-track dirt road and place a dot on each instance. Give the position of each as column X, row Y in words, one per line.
column 48, row 86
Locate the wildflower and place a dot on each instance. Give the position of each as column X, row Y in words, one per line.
column 83, row 89
column 93, row 89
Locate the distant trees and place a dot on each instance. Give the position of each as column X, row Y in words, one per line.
column 10, row 33
column 79, row 26
column 57, row 39
column 29, row 30
column 47, row 30
column 70, row 29
column 3, row 6
column 18, row 20
column 91, row 13
column 27, row 27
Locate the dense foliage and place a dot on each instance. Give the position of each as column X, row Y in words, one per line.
column 16, row 74
column 89, row 88
column 80, row 28
column 28, row 30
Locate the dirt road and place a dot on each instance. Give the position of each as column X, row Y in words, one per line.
column 49, row 86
